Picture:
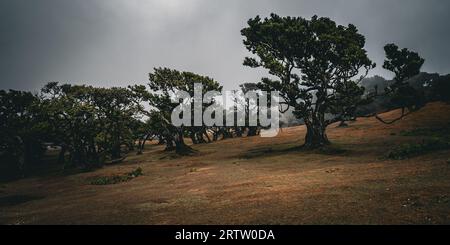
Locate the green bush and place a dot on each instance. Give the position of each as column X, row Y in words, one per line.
column 429, row 132
column 406, row 151
column 116, row 179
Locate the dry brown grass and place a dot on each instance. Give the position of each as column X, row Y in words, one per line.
column 256, row 181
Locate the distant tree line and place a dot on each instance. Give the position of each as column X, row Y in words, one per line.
column 315, row 64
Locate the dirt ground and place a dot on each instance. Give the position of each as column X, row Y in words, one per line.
column 256, row 181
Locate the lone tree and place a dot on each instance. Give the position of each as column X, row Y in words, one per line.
column 405, row 64
column 310, row 59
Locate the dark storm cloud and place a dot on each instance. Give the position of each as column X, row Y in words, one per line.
column 117, row 42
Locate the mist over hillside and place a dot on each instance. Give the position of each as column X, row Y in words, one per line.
column 421, row 82
column 380, row 103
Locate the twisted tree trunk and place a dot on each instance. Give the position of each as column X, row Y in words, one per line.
column 316, row 136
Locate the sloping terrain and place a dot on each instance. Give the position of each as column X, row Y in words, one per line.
column 258, row 181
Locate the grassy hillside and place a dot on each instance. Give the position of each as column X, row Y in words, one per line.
column 260, row 181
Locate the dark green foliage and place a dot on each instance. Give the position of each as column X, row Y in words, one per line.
column 117, row 179
column 22, row 132
column 428, row 86
column 310, row 59
column 164, row 83
column 405, row 65
column 441, row 88
column 443, row 132
column 435, row 139
column 409, row 150
column 347, row 99
column 91, row 124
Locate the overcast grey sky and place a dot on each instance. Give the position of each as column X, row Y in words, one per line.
column 118, row 42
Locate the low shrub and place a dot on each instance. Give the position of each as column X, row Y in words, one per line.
column 409, row 150
column 116, row 179
column 428, row 132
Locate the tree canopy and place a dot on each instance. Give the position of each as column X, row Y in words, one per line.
column 405, row 64
column 310, row 60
